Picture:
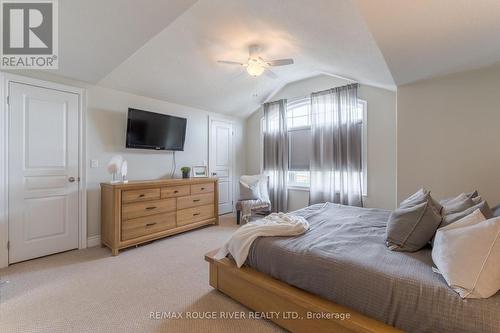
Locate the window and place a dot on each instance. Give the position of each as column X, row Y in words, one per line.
column 299, row 132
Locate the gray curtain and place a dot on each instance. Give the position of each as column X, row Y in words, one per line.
column 336, row 131
column 276, row 153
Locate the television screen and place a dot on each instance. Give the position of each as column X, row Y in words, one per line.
column 149, row 130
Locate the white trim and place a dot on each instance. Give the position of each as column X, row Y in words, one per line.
column 233, row 162
column 94, row 241
column 6, row 78
column 4, row 204
column 364, row 147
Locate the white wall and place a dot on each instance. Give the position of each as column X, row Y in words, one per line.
column 449, row 135
column 106, row 130
column 381, row 139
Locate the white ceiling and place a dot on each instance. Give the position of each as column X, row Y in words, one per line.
column 426, row 38
column 95, row 36
column 167, row 49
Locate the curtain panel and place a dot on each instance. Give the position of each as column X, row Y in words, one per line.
column 336, row 143
column 276, row 153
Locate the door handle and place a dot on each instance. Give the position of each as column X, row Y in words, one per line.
column 214, row 173
column 71, row 179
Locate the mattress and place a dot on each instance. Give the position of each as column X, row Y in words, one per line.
column 343, row 258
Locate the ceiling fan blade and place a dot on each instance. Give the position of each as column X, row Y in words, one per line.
column 280, row 62
column 269, row 73
column 229, row 62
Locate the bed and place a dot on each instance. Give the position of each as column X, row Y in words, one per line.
column 342, row 266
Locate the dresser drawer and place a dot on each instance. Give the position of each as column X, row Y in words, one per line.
column 140, row 195
column 174, row 191
column 202, row 188
column 140, row 209
column 195, row 214
column 147, row 225
column 195, row 200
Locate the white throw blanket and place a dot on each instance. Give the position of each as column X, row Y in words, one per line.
column 276, row 224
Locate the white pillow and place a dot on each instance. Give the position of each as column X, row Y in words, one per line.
column 467, row 254
column 254, row 188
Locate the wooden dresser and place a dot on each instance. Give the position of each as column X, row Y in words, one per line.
column 141, row 211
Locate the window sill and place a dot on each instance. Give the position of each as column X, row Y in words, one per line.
column 306, row 189
column 298, row 188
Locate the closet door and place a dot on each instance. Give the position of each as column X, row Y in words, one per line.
column 43, row 171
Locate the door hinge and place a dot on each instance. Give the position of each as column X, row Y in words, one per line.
column 8, row 245
column 8, row 100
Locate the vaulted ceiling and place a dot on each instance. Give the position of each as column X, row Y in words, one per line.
column 167, row 49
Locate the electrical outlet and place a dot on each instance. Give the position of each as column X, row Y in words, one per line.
column 94, row 163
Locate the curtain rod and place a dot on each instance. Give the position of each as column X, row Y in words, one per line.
column 309, row 95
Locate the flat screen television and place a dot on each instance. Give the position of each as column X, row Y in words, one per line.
column 150, row 130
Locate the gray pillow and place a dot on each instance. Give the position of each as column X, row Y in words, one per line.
column 411, row 228
column 420, row 197
column 482, row 206
column 471, row 195
column 496, row 211
column 458, row 204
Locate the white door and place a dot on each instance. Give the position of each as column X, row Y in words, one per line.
column 221, row 161
column 43, row 171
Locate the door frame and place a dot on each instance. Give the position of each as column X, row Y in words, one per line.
column 233, row 174
column 5, row 80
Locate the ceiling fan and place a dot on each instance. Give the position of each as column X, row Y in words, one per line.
column 255, row 65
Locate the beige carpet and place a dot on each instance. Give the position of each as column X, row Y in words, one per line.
column 90, row 291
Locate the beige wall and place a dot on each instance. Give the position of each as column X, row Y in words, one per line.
column 449, row 135
column 381, row 139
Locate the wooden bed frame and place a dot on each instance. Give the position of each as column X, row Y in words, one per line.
column 289, row 306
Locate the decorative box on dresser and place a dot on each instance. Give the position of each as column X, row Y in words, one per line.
column 140, row 211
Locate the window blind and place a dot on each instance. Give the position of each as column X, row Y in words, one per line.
column 299, row 144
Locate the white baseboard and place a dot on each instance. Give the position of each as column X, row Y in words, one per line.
column 94, row 241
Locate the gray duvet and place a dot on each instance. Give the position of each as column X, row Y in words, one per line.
column 343, row 258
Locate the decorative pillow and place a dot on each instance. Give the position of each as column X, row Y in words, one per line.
column 469, row 194
column 249, row 192
column 496, row 211
column 411, row 228
column 472, row 194
column 467, row 254
column 477, row 199
column 458, row 204
column 419, row 197
column 482, row 206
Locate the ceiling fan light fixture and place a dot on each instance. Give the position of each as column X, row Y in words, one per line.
column 254, row 68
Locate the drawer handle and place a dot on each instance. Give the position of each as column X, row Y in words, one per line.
column 202, row 188
column 176, row 191
column 152, row 207
column 150, row 224
column 196, row 214
column 141, row 195
column 196, row 200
